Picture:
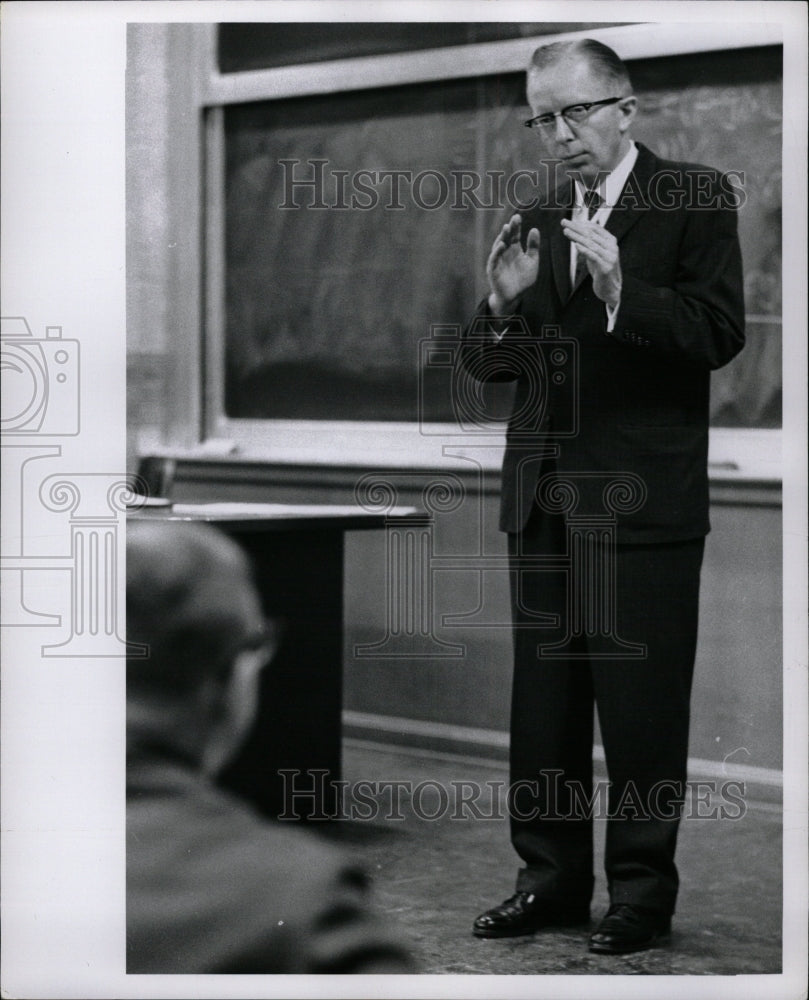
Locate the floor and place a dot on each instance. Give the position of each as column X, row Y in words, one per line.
column 434, row 875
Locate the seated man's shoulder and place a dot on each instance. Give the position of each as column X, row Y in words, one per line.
column 214, row 887
column 187, row 819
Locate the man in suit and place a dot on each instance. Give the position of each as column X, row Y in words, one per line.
column 211, row 887
column 609, row 304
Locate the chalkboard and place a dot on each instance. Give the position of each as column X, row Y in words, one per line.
column 244, row 45
column 335, row 278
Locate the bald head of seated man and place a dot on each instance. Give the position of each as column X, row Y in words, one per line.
column 211, row 886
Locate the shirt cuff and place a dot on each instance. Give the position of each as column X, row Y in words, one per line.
column 499, row 325
column 612, row 314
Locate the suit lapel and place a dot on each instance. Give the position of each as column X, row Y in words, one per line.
column 633, row 202
column 560, row 245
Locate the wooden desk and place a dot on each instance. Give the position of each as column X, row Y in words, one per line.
column 297, row 556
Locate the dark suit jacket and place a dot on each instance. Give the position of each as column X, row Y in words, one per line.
column 213, row 888
column 635, row 400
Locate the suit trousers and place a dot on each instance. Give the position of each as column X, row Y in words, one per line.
column 642, row 693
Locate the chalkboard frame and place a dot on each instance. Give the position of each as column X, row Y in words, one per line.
column 743, row 453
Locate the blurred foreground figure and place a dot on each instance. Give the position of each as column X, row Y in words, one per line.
column 211, row 887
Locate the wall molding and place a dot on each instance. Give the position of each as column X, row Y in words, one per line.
column 197, row 474
column 762, row 784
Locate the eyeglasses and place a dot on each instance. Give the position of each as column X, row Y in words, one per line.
column 573, row 114
column 254, row 652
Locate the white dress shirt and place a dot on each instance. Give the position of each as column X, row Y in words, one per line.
column 610, row 190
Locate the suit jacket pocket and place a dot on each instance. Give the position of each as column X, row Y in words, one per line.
column 672, row 461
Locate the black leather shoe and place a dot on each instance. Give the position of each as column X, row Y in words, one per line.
column 628, row 928
column 525, row 913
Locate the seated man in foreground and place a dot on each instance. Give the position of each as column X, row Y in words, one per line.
column 211, row 887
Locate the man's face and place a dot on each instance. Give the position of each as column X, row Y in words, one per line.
column 234, row 702
column 595, row 145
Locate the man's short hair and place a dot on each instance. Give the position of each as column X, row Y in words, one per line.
column 601, row 58
column 183, row 584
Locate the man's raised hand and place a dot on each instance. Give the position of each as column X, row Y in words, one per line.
column 510, row 269
column 600, row 250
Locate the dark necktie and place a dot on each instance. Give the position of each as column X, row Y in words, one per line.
column 592, row 201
